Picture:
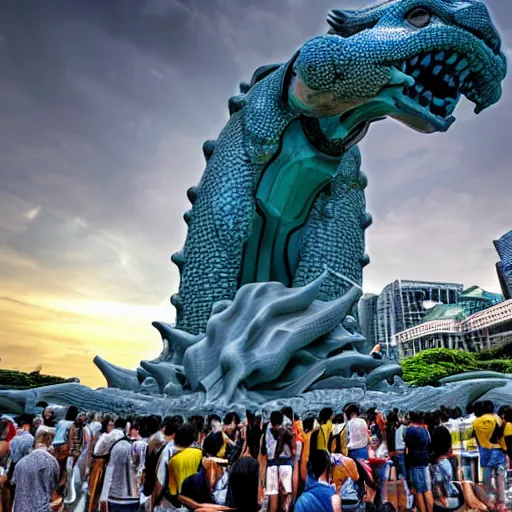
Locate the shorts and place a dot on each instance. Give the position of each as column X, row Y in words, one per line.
column 420, row 479
column 493, row 458
column 279, row 476
column 358, row 453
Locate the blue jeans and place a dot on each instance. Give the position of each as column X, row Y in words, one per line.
column 400, row 465
column 358, row 453
column 420, row 479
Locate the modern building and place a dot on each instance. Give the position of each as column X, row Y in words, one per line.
column 449, row 327
column 476, row 299
column 404, row 304
column 367, row 310
column 504, row 267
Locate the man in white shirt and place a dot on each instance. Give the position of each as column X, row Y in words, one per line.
column 357, row 434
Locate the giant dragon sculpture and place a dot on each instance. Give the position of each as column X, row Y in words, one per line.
column 272, row 265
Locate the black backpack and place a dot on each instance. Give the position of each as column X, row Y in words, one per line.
column 151, row 464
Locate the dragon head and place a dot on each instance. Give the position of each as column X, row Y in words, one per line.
column 430, row 52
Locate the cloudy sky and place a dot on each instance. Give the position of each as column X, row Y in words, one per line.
column 104, row 107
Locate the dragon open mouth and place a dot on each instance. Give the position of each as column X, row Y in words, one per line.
column 440, row 79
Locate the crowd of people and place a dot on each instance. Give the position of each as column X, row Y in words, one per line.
column 324, row 462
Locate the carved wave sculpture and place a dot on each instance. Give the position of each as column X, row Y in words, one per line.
column 270, row 342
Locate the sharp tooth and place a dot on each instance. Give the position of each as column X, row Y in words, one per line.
column 451, row 103
column 470, row 84
column 440, row 56
column 404, row 67
column 453, row 59
column 437, row 70
column 464, row 75
column 452, row 83
column 463, row 64
column 447, row 78
column 414, row 61
column 428, row 95
column 426, row 61
column 438, row 101
column 416, row 73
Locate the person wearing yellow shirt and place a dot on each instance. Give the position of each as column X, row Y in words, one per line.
column 322, row 438
column 185, row 462
column 506, row 440
column 488, row 430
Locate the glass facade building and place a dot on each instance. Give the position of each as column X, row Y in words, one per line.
column 403, row 304
column 504, row 267
column 367, row 309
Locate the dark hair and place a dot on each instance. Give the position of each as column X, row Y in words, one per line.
column 243, row 485
column 288, row 412
column 25, row 419
column 339, row 418
column 120, row 423
column 276, row 418
column 185, row 435
column 319, row 461
column 415, row 417
column 507, row 414
column 352, row 409
column 171, row 426
column 198, row 422
column 308, row 424
column 149, row 426
column 71, row 413
column 174, row 419
column 230, row 417
column 488, row 407
column 325, row 415
column 212, row 444
column 104, row 423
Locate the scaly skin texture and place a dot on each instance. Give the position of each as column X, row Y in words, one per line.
column 334, row 233
column 369, row 52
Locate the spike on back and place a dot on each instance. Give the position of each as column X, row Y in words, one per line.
column 367, row 221
column 236, row 103
column 244, row 87
column 365, row 261
column 209, row 148
column 192, row 194
column 178, row 258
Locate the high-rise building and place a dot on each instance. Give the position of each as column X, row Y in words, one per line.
column 404, row 304
column 504, row 267
column 367, row 309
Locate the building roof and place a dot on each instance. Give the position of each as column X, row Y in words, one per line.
column 491, row 317
column 477, row 293
column 445, row 312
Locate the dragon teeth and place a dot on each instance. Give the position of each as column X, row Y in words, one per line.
column 464, row 75
column 453, row 59
column 414, row 61
column 437, row 70
column 426, row 61
column 462, row 65
column 440, row 56
column 428, row 95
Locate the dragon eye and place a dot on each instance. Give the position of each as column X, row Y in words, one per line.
column 419, row 17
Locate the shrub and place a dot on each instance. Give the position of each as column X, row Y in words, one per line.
column 504, row 352
column 428, row 367
column 15, row 378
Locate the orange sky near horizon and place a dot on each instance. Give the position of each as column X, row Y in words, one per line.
column 64, row 337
